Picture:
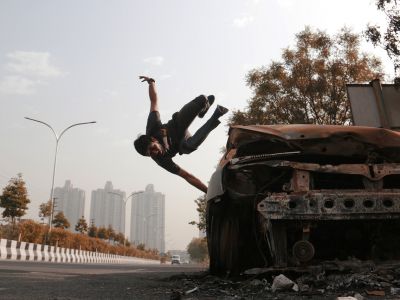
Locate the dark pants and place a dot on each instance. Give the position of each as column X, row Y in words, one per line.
column 185, row 117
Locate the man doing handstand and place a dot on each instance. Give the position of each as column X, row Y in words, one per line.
column 163, row 141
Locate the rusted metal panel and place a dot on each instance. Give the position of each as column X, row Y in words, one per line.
column 375, row 104
column 379, row 137
column 300, row 181
column 373, row 172
column 331, row 205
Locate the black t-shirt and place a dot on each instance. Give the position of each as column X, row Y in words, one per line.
column 164, row 134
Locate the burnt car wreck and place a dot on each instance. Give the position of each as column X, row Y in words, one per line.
column 297, row 195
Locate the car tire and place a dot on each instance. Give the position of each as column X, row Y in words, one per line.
column 231, row 243
column 222, row 240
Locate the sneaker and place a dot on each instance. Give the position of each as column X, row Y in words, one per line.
column 210, row 101
column 219, row 111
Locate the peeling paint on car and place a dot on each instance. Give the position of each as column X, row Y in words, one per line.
column 290, row 195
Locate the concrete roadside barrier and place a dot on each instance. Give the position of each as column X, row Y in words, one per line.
column 31, row 251
column 3, row 249
column 13, row 250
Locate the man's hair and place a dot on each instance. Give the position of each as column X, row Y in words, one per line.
column 142, row 144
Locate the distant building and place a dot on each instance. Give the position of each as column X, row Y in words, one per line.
column 107, row 208
column 148, row 219
column 71, row 201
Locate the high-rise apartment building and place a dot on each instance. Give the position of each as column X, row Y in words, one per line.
column 107, row 208
column 148, row 219
column 71, row 201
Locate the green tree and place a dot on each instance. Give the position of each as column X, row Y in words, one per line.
column 120, row 238
column 309, row 84
column 388, row 39
column 45, row 210
column 110, row 232
column 92, row 232
column 201, row 204
column 14, row 199
column 81, row 226
column 60, row 221
column 141, row 246
column 102, row 233
column 197, row 249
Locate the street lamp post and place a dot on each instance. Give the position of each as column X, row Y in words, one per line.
column 125, row 201
column 58, row 137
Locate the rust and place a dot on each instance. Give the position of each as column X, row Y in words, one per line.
column 385, row 137
column 290, row 195
column 300, row 181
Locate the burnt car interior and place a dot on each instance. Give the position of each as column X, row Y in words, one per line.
column 291, row 202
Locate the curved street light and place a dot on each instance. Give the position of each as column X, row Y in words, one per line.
column 58, row 137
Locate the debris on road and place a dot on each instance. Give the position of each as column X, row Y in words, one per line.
column 345, row 280
column 282, row 283
column 358, row 296
column 255, row 271
column 394, row 291
column 376, row 293
column 191, row 291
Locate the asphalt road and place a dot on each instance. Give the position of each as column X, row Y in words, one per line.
column 39, row 280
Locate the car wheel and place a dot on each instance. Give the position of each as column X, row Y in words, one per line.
column 222, row 239
column 231, row 243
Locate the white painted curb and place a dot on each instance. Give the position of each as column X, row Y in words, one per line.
column 13, row 250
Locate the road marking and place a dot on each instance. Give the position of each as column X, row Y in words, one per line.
column 137, row 270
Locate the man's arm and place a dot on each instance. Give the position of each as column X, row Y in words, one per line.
column 152, row 92
column 192, row 180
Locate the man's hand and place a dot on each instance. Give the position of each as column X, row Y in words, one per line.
column 152, row 92
column 147, row 79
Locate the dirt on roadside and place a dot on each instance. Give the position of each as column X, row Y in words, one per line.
column 333, row 280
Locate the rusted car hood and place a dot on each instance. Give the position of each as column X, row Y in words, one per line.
column 354, row 144
column 382, row 138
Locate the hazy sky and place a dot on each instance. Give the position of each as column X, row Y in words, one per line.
column 65, row 62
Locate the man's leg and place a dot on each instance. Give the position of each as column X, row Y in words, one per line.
column 190, row 111
column 191, row 143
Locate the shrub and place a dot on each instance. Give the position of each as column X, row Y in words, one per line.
column 31, row 231
column 34, row 232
